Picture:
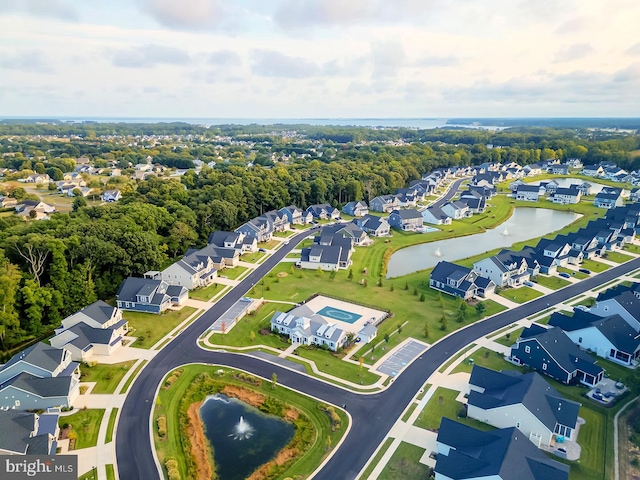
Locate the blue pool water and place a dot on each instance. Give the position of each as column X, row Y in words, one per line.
column 338, row 314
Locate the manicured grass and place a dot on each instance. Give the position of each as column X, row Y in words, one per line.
column 111, row 475
column 488, row 359
column 150, row 328
column 405, row 464
column 169, row 404
column 270, row 244
column 632, row 248
column 520, row 295
column 509, row 339
column 442, row 404
column 408, row 413
column 132, row 377
column 573, row 273
column 253, row 257
column 240, row 334
column 107, row 377
column 285, row 234
column 618, row 257
column 592, row 439
column 376, row 459
column 554, row 283
column 332, row 364
column 595, row 266
column 111, row 425
column 86, row 424
column 90, row 475
column 232, row 273
column 207, row 293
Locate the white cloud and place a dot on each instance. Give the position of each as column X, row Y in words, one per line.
column 41, row 8
column 147, row 56
column 224, row 57
column 31, row 61
column 574, row 52
column 270, row 63
column 388, row 57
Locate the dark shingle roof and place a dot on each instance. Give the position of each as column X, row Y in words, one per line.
column 41, row 355
column 99, row 311
column 15, row 430
column 43, row 387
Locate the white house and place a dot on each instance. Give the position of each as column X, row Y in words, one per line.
column 456, row 210
column 565, row 195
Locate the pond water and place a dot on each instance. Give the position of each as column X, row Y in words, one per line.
column 242, row 437
column 524, row 224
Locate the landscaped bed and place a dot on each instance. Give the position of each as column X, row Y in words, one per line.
column 316, row 431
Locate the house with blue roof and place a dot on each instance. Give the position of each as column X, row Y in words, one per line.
column 23, row 433
column 524, row 401
column 466, row 453
column 373, row 225
column 356, row 209
column 551, row 352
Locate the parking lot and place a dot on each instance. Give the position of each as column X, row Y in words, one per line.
column 401, row 358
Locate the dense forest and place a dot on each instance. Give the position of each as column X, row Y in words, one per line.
column 50, row 269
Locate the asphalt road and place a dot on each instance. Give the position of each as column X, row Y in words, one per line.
column 450, row 193
column 373, row 415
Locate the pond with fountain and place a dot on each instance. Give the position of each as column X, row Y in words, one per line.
column 241, row 436
column 524, row 224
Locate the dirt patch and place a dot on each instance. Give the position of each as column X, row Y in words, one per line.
column 291, row 415
column 250, row 397
column 199, row 448
column 282, row 274
column 283, row 457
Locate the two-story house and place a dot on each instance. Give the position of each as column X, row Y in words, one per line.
column 565, row 195
column 373, row 225
column 324, row 211
column 459, row 281
column 384, row 203
column 456, row 210
column 149, row 295
column 527, row 192
column 505, row 270
column 435, row 216
column 406, row 220
column 356, row 209
column 296, row 216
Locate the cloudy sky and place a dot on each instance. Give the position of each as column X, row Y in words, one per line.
column 319, row 58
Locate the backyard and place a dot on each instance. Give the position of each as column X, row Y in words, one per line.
column 150, row 328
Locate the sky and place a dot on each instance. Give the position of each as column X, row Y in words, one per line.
column 319, row 58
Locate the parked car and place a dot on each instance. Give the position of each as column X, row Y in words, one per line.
column 581, row 307
column 262, row 250
column 585, row 271
column 528, row 284
column 598, row 396
column 564, row 275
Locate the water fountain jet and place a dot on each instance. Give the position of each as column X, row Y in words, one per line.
column 242, row 430
column 437, row 253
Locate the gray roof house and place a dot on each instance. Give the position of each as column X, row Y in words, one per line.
column 626, row 304
column 527, row 192
column 149, row 295
column 608, row 337
column 39, row 377
column 384, row 203
column 236, row 240
column 552, row 352
column 373, row 225
column 356, row 209
column 525, row 401
column 329, row 252
column 505, row 269
column 109, row 196
column 459, row 281
column 435, row 216
column 457, row 210
column 295, row 215
column 608, row 200
column 28, row 433
column 351, row 230
column 324, row 211
column 406, row 220
column 565, row 195
column 465, row 453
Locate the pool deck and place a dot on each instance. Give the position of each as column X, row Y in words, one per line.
column 367, row 315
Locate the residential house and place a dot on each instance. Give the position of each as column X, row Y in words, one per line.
column 28, row 433
column 524, row 401
column 574, row 162
column 585, row 188
column 513, row 186
column 551, row 352
column 486, row 192
column 593, row 171
column 72, row 176
column 608, row 337
column 97, row 315
column 435, row 216
column 532, row 169
column 527, row 192
column 38, row 378
column 324, row 211
column 149, row 295
column 559, row 169
column 608, row 200
column 459, row 281
column 548, row 188
column 84, row 342
column 356, row 209
column 235, row 240
column 329, row 252
column 304, row 327
column 466, row 453
column 37, row 205
column 406, row 220
column 296, row 216
column 198, row 268
column 634, row 196
column 625, row 304
column 109, row 196
column 565, row 195
column 8, row 202
column 504, row 269
column 476, row 202
column 258, row 227
column 80, row 191
column 38, row 178
column 373, row 225
column 350, row 230
column 384, row 203
column 456, row 210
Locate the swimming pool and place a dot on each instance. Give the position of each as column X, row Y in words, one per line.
column 339, row 314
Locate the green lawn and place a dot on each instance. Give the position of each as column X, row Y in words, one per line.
column 207, row 293
column 520, row 295
column 332, row 364
column 150, row 328
column 618, row 257
column 132, row 377
column 595, row 266
column 554, row 283
column 253, row 257
column 488, row 359
column 170, row 400
column 573, row 273
column 111, row 425
column 442, row 404
column 376, row 459
column 240, row 334
column 232, row 273
column 111, row 475
column 270, row 244
column 90, row 475
column 405, row 464
column 509, row 339
column 107, row 377
column 632, row 248
column 86, row 424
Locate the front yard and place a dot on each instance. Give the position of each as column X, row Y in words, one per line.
column 150, row 328
column 618, row 257
column 594, row 265
column 85, row 425
column 405, row 464
column 520, row 295
column 554, row 283
column 107, row 377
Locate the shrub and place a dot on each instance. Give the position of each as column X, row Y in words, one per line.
column 162, row 425
column 172, row 469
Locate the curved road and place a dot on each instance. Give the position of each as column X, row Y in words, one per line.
column 373, row 414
